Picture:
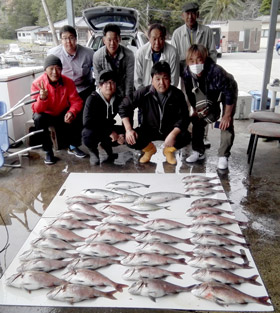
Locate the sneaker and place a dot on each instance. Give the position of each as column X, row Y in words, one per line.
column 207, row 144
column 93, row 158
column 77, row 152
column 223, row 163
column 195, row 156
column 50, row 158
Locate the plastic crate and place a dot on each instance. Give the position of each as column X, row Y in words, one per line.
column 256, row 100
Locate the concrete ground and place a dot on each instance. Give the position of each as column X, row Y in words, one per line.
column 26, row 192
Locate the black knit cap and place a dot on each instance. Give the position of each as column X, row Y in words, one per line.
column 52, row 60
column 106, row 75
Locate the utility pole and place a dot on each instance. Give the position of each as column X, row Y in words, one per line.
column 70, row 13
column 47, row 12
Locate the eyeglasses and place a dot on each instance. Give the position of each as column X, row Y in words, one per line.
column 71, row 38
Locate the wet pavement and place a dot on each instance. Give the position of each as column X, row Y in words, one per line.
column 26, row 192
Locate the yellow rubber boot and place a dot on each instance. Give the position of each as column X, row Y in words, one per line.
column 149, row 150
column 169, row 154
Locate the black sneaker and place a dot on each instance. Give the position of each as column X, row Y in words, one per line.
column 50, row 158
column 77, row 152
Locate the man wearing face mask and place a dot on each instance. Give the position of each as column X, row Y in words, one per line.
column 207, row 85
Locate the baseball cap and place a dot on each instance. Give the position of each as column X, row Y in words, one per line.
column 190, row 6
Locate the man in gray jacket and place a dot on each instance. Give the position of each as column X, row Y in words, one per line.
column 116, row 58
column 157, row 49
column 192, row 33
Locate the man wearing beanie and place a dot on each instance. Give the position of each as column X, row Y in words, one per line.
column 57, row 104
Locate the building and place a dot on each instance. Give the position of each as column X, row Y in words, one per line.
column 27, row 34
column 265, row 29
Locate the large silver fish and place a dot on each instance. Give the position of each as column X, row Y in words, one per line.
column 199, row 184
column 101, row 250
column 126, row 191
column 109, row 236
column 119, row 209
column 211, row 250
column 161, row 248
column 126, row 184
column 73, row 293
column 202, row 191
column 223, row 276
column 215, row 262
column 137, row 273
column 198, row 210
column 144, row 206
column 163, row 224
column 209, row 229
column 195, row 178
column 48, row 253
column 45, row 265
column 53, row 243
column 155, row 288
column 215, row 240
column 91, row 278
column 61, row 233
column 92, row 263
column 215, row 219
column 208, row 202
column 149, row 259
column 160, row 197
column 151, row 236
column 33, row 280
column 224, row 295
column 100, row 194
column 122, row 220
column 125, row 198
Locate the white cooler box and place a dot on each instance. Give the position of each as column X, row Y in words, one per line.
column 243, row 107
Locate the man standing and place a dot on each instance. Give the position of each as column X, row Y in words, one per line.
column 77, row 65
column 192, row 33
column 58, row 105
column 164, row 116
column 116, row 58
column 157, row 49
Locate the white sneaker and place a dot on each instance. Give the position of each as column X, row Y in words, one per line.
column 223, row 163
column 195, row 156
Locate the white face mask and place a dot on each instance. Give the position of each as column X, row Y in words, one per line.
column 196, row 68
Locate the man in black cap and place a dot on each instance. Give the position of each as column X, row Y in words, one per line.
column 98, row 119
column 57, row 104
column 192, row 33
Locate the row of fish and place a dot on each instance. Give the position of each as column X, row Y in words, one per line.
column 60, row 247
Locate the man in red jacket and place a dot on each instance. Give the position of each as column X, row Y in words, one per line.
column 57, row 104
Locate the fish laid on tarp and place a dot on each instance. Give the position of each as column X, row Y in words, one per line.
column 109, row 236
column 223, row 276
column 144, row 206
column 202, row 191
column 224, row 294
column 161, row 248
column 71, row 224
column 91, row 278
column 163, row 224
column 208, row 202
column 149, row 259
column 119, row 209
column 92, row 263
column 209, row 229
column 122, row 220
column 195, row 178
column 215, row 262
column 61, row 233
column 211, row 250
column 100, row 194
column 150, row 236
column 215, row 240
column 76, row 215
column 198, row 210
column 87, row 209
column 101, row 250
column 48, row 253
column 126, row 184
column 160, row 197
column 73, row 293
column 120, row 228
column 137, row 273
column 215, row 219
column 156, row 288
column 45, row 265
column 52, row 243
column 199, row 184
column 125, row 198
column 84, row 199
column 33, row 280
column 126, row 191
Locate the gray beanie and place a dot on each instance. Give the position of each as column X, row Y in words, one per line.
column 52, row 60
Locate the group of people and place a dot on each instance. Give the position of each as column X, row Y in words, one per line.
column 83, row 106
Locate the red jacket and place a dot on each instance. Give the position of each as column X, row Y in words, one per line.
column 60, row 97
